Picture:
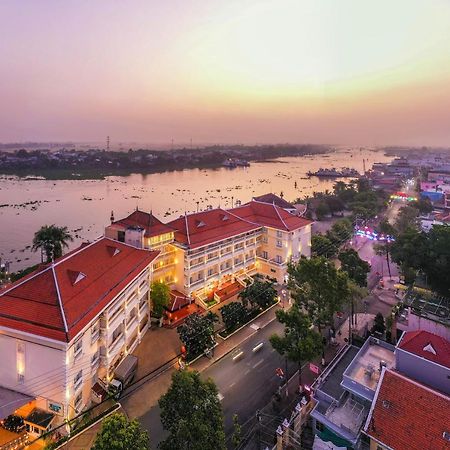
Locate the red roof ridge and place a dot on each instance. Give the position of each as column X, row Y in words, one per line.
column 284, row 223
column 63, row 314
column 187, row 229
column 243, row 218
column 25, row 279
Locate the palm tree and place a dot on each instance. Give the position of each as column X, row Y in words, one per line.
column 51, row 239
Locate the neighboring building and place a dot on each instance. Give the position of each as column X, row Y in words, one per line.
column 69, row 324
column 443, row 177
column 273, row 199
column 425, row 357
column 208, row 255
column 144, row 230
column 344, row 392
column 424, row 312
column 406, row 415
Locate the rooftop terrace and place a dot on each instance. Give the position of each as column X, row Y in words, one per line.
column 362, row 375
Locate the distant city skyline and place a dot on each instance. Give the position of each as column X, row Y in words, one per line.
column 351, row 72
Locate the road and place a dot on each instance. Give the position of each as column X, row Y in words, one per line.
column 244, row 385
column 248, row 384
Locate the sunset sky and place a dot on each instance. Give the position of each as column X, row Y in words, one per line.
column 226, row 71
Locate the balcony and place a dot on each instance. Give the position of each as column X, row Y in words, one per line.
column 95, row 361
column 131, row 323
column 345, row 418
column 238, row 263
column 226, row 270
column 197, row 264
column 132, row 304
column 95, row 336
column 116, row 318
column 213, row 258
column 116, row 344
column 197, row 282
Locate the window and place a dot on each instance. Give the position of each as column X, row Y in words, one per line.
column 20, row 362
column 210, row 272
column 78, row 380
column 379, row 447
column 78, row 401
column 278, row 259
column 279, row 243
column 279, row 233
column 95, row 332
column 95, row 359
column 78, row 348
column 265, row 240
column 264, row 255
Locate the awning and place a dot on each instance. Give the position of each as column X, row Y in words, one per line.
column 11, row 400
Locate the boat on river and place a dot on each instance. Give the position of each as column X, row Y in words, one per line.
column 346, row 172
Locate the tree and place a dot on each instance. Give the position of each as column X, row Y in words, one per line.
column 436, row 263
column 51, row 240
column 341, row 231
column 317, row 286
column 260, row 294
column 191, row 412
column 322, row 210
column 406, row 218
column 386, row 229
column 378, row 325
column 424, row 205
column 409, row 251
column 160, row 295
column 197, row 334
column 335, row 204
column 117, row 433
column 236, row 437
column 300, row 342
column 233, row 315
column 321, row 245
column 356, row 268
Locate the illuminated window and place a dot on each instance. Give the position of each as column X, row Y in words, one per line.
column 20, row 356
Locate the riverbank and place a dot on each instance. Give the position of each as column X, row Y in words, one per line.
column 96, row 164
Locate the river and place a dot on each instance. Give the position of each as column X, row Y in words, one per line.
column 85, row 206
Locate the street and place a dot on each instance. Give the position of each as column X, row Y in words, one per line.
column 244, row 385
column 249, row 383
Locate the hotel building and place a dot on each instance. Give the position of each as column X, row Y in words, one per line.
column 67, row 325
column 205, row 252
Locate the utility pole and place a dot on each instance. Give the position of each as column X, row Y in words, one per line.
column 107, row 143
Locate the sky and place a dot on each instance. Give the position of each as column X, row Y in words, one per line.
column 350, row 72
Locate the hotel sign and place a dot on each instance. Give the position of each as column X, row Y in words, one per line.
column 56, row 408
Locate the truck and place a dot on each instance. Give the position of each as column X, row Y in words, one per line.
column 123, row 375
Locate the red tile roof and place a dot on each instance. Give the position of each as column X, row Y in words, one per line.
column 274, row 200
column 57, row 301
column 426, row 344
column 406, row 415
column 270, row 215
column 203, row 228
column 147, row 221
